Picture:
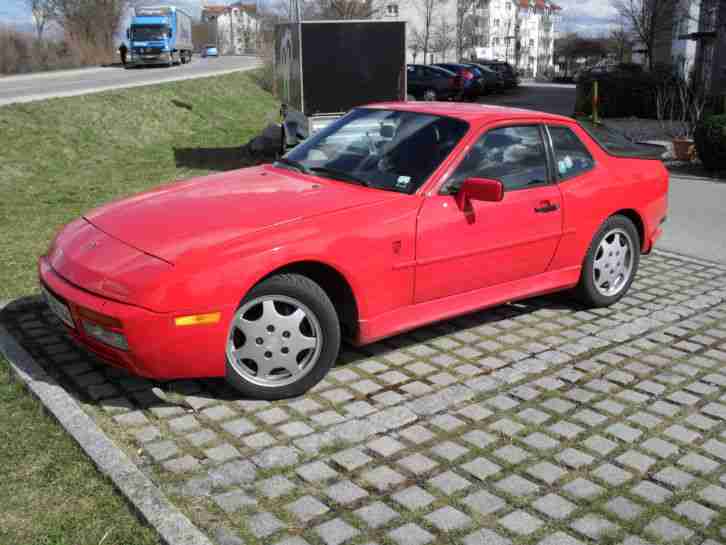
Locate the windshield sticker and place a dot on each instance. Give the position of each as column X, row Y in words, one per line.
column 403, row 181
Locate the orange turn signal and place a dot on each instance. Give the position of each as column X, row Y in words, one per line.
column 198, row 319
column 100, row 319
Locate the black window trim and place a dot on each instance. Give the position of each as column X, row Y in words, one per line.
column 551, row 180
column 553, row 158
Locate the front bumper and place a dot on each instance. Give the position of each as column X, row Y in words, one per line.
column 156, row 58
column 158, row 349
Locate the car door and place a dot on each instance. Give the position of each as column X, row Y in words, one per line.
column 415, row 76
column 490, row 243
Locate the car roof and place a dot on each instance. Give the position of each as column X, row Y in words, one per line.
column 469, row 111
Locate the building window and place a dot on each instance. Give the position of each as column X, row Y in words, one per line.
column 496, row 22
column 393, row 10
column 531, row 42
column 509, row 6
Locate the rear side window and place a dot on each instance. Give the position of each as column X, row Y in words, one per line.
column 571, row 155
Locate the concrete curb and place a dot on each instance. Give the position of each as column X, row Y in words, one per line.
column 150, row 503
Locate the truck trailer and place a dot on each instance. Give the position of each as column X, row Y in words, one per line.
column 325, row 68
column 160, row 35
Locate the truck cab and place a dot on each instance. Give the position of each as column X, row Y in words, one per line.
column 159, row 35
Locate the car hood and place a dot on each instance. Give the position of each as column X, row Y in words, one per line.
column 203, row 213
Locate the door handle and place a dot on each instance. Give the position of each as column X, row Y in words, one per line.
column 546, row 206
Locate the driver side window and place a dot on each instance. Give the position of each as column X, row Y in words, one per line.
column 514, row 155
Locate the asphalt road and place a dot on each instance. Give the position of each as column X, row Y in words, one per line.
column 545, row 97
column 28, row 88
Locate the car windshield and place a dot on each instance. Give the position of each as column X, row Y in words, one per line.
column 383, row 149
column 147, row 33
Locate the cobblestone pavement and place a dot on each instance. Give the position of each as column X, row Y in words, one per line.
column 535, row 423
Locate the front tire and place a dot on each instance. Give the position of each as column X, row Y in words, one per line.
column 283, row 339
column 610, row 264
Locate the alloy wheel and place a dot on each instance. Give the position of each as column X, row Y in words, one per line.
column 274, row 340
column 613, row 262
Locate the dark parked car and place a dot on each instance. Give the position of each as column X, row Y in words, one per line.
column 433, row 83
column 472, row 84
column 504, row 68
column 493, row 80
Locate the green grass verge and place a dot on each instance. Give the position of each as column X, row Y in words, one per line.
column 64, row 156
column 59, row 158
column 51, row 492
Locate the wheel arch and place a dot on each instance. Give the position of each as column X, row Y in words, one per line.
column 334, row 284
column 637, row 220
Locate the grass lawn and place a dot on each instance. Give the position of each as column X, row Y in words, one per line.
column 59, row 158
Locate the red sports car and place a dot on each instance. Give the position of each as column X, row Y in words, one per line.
column 394, row 216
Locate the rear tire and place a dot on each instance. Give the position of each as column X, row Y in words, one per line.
column 611, row 263
column 283, row 339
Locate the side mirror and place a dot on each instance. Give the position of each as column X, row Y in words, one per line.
column 479, row 189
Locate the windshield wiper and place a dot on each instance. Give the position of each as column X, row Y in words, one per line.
column 297, row 165
column 340, row 175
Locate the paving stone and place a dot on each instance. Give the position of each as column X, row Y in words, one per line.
column 414, row 498
column 623, row 508
column 479, row 438
column 612, row 475
column 185, row 464
column 697, row 463
column 546, row 471
column 259, row 440
column 383, row 478
column 351, row 459
column 449, row 450
column 651, row 492
column 483, row 502
column 554, row 506
column 417, row 434
column 132, row 419
column 540, row 441
column 565, row 429
column 560, row 538
column 674, row 477
column 714, row 495
column 511, row 454
column 583, row 489
column 336, row 531
column 600, row 445
column 715, row 448
column 346, row 492
column 410, row 534
column 507, row 427
column 517, row 486
column 276, row 457
column 481, row 468
column 448, row 519
column 239, row 427
column 475, row 412
column 593, row 526
column 668, row 530
column 234, row 500
column 307, row 508
column 533, row 416
column 222, row 453
column 275, row 486
column 376, row 514
column 624, row 432
column 486, row 537
column 449, row 482
column 417, row 464
column 263, row 524
column 234, row 472
column 696, row 512
column 637, row 460
column 520, row 522
column 385, row 446
column 574, row 458
column 161, row 450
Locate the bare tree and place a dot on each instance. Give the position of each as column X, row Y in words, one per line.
column 89, row 25
column 428, row 10
column 42, row 11
column 619, row 42
column 464, row 9
column 650, row 21
column 349, row 9
column 442, row 38
column 415, row 42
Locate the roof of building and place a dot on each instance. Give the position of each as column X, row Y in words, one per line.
column 250, row 9
column 541, row 4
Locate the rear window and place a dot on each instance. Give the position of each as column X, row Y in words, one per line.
column 616, row 143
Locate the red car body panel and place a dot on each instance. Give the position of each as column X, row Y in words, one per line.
column 199, row 246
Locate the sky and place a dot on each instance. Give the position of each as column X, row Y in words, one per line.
column 589, row 17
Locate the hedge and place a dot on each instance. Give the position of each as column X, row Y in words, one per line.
column 710, row 137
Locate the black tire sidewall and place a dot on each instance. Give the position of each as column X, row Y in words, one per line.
column 312, row 296
column 586, row 289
